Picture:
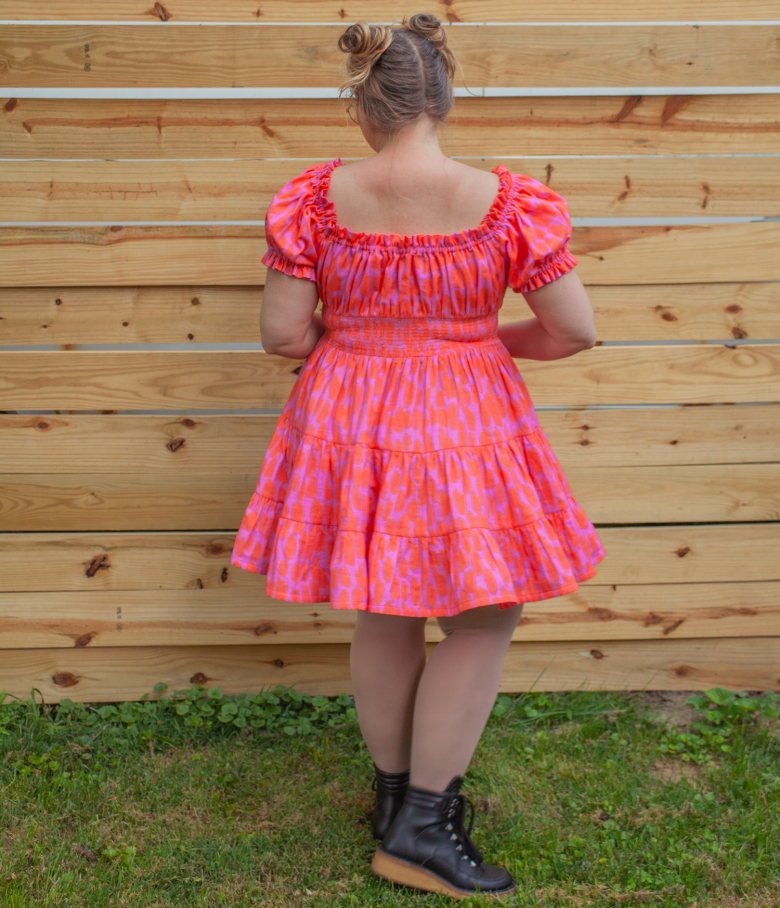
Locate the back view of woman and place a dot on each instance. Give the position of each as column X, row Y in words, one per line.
column 408, row 476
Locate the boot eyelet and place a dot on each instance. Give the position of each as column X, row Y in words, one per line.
column 448, row 827
column 454, row 837
column 473, row 864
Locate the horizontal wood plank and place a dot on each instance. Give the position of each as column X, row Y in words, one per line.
column 287, row 128
column 126, row 56
column 94, row 675
column 178, row 445
column 616, row 495
column 116, row 315
column 231, row 255
column 244, row 617
column 242, row 190
column 377, row 10
column 241, row 379
column 62, row 561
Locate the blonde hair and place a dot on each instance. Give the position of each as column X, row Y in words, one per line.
column 395, row 74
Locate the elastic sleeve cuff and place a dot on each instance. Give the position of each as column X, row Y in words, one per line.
column 556, row 266
column 278, row 262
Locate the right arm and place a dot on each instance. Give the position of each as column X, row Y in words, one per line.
column 562, row 325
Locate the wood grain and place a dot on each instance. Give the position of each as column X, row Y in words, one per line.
column 615, row 495
column 61, row 561
column 231, row 255
column 242, row 617
column 126, row 56
column 95, row 675
column 241, row 379
column 179, row 445
column 117, row 315
column 508, row 127
column 377, row 10
column 242, row 190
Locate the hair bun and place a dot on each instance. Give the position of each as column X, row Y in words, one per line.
column 363, row 40
column 364, row 44
column 427, row 26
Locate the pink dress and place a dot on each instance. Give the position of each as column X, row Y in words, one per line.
column 408, row 473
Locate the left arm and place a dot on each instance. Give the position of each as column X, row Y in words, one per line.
column 289, row 325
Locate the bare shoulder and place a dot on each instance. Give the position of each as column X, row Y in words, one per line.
column 473, row 176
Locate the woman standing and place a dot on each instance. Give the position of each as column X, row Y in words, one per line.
column 408, row 476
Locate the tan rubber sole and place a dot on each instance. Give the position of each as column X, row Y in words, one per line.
column 406, row 874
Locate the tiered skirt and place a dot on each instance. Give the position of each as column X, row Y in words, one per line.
column 413, row 483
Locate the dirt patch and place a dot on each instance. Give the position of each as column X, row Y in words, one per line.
column 674, row 770
column 669, row 706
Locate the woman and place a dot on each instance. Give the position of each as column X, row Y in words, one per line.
column 408, row 477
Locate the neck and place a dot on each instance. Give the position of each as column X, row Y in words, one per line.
column 416, row 142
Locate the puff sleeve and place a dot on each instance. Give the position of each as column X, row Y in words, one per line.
column 290, row 228
column 539, row 231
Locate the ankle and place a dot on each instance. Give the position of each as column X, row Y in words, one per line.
column 437, row 784
column 391, row 772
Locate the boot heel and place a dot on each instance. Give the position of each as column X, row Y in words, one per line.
column 402, row 872
column 405, row 874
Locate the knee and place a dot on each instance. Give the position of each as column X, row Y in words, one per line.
column 485, row 620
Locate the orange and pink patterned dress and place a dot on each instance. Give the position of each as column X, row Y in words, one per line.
column 408, row 473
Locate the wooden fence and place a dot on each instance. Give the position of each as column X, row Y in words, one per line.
column 117, row 524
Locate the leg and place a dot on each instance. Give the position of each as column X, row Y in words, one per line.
column 387, row 657
column 428, row 845
column 457, row 691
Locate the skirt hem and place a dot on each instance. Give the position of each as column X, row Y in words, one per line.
column 468, row 602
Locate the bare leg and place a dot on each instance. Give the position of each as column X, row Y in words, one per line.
column 387, row 657
column 457, row 691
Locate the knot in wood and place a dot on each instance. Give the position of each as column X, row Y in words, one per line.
column 98, row 563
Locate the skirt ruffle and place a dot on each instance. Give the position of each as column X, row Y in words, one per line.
column 403, row 533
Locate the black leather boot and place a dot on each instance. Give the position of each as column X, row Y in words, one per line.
column 428, row 847
column 390, row 788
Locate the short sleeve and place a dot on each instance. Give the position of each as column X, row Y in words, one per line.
column 539, row 231
column 289, row 228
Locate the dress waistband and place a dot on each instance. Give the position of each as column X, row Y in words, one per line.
column 389, row 336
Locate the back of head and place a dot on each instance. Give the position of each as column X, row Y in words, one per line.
column 395, row 75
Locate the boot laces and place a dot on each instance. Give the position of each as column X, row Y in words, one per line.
column 456, row 814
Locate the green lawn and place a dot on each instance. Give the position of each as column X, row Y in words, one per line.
column 590, row 799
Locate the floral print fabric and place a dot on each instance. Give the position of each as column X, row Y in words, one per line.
column 408, row 473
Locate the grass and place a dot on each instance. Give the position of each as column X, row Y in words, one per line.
column 590, row 799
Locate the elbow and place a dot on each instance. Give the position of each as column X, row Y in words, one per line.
column 289, row 351
column 279, row 350
column 585, row 339
column 574, row 344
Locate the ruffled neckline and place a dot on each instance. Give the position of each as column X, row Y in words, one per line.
column 326, row 216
